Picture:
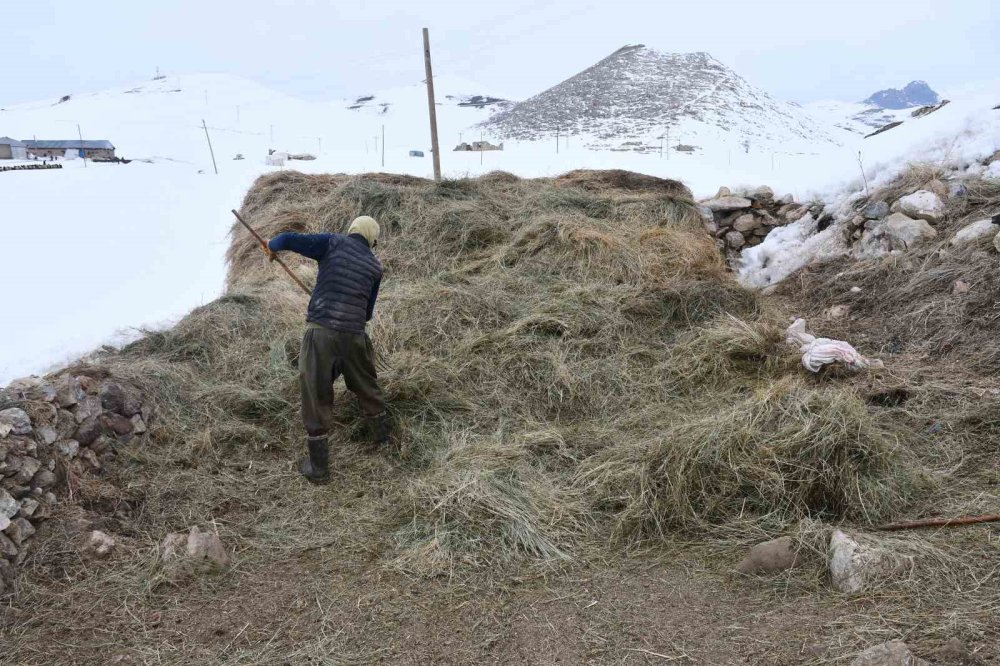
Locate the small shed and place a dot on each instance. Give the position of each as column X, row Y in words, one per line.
column 12, row 149
column 93, row 149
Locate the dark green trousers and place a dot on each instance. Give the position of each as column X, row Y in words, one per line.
column 325, row 355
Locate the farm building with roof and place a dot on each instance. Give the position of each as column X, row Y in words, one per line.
column 12, row 149
column 99, row 149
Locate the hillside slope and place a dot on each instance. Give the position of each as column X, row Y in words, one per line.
column 636, row 94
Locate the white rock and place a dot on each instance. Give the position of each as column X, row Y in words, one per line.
column 893, row 653
column 922, row 205
column 996, row 242
column 728, row 203
column 855, row 565
column 196, row 547
column 99, row 544
column 992, row 171
column 973, row 231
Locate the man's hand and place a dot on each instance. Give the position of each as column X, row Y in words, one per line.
column 271, row 256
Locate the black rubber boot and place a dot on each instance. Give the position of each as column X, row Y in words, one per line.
column 316, row 466
column 381, row 430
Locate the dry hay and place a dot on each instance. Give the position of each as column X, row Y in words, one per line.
column 572, row 369
column 568, row 356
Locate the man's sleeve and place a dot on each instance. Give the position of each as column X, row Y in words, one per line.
column 371, row 301
column 313, row 246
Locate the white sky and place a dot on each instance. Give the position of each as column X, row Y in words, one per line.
column 797, row 50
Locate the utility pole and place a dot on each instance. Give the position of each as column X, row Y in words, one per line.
column 80, row 134
column 430, row 104
column 210, row 146
column 383, row 146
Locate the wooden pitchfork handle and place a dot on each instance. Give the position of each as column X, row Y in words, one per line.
column 940, row 522
column 263, row 246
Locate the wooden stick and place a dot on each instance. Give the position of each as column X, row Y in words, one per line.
column 263, row 246
column 940, row 522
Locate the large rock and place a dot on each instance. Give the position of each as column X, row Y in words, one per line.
column 904, row 232
column 68, row 391
column 763, row 193
column 44, row 479
column 727, row 204
column 855, row 566
column 112, row 397
column 921, row 205
column 746, row 222
column 8, row 505
column 974, row 231
column 88, row 431
column 196, row 549
column 7, row 548
column 19, row 531
column 996, row 242
column 769, row 557
column 89, row 407
column 734, row 239
column 876, row 210
column 937, row 187
column 14, row 420
column 893, row 653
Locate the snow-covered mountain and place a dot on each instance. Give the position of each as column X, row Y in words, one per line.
column 914, row 93
column 878, row 110
column 636, row 95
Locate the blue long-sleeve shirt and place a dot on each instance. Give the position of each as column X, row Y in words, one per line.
column 315, row 247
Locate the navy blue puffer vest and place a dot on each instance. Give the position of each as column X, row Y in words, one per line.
column 348, row 274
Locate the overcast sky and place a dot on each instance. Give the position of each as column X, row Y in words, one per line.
column 797, row 50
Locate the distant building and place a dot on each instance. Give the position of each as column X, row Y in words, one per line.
column 12, row 149
column 477, row 146
column 96, row 150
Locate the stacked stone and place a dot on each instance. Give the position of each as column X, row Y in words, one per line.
column 52, row 429
column 743, row 220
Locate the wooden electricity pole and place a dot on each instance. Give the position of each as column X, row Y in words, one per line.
column 430, row 103
column 209, row 139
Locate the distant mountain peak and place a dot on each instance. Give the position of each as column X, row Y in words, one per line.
column 914, row 93
column 631, row 98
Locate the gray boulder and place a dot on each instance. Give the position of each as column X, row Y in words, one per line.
column 746, row 222
column 8, row 505
column 734, row 239
column 14, row 420
column 195, row 550
column 19, row 531
column 68, row 391
column 89, row 407
column 904, row 232
column 763, row 193
column 728, row 203
column 856, row 565
column 876, row 210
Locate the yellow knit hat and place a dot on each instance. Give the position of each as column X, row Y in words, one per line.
column 367, row 227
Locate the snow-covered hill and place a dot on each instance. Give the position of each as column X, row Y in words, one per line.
column 635, row 96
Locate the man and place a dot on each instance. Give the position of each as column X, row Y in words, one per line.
column 335, row 342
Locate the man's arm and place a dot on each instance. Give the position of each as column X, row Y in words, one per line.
column 313, row 246
column 371, row 301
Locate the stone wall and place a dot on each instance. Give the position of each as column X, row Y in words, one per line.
column 52, row 431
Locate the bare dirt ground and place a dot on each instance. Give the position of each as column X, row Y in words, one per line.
column 311, row 585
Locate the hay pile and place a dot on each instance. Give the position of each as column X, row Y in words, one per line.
column 573, row 372
column 570, row 359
